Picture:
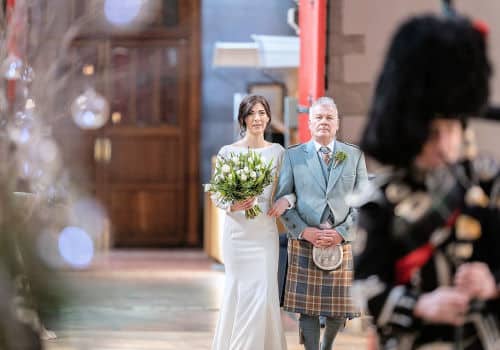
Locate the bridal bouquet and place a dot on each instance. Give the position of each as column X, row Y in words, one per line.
column 240, row 176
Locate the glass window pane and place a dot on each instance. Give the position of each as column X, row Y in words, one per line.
column 170, row 86
column 170, row 13
column 121, row 95
column 146, row 72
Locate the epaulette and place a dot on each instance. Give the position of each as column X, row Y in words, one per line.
column 293, row 146
column 373, row 190
column 351, row 144
column 368, row 192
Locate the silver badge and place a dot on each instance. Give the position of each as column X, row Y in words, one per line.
column 329, row 258
column 396, row 192
column 485, row 167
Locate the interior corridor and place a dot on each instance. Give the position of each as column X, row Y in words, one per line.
column 153, row 299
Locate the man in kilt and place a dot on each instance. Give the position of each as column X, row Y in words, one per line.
column 321, row 173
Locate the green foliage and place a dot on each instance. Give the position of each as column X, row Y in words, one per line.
column 340, row 157
column 239, row 176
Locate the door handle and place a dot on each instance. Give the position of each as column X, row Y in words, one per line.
column 107, row 150
column 102, row 150
column 98, row 150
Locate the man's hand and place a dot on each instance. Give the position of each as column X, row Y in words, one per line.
column 321, row 238
column 243, row 205
column 279, row 207
column 476, row 280
column 333, row 236
column 444, row 305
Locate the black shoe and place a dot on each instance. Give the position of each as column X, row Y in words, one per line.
column 322, row 321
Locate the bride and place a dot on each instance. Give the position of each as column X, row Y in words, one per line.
column 250, row 314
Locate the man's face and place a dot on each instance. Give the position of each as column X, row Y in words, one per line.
column 323, row 123
column 443, row 146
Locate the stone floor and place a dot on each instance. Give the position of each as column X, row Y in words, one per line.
column 166, row 300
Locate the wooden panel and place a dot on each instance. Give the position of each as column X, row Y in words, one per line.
column 148, row 218
column 138, row 160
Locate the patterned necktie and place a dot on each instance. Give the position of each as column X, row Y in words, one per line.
column 326, row 154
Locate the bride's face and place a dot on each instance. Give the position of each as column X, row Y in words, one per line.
column 256, row 120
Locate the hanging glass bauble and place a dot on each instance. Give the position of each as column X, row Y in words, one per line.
column 28, row 74
column 90, row 110
column 22, row 128
column 12, row 67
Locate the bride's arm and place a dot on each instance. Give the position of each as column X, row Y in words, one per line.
column 281, row 205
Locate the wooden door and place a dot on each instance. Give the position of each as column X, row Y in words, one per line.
column 143, row 165
column 143, row 180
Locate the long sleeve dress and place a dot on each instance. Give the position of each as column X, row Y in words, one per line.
column 249, row 317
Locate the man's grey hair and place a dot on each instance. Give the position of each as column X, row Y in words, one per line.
column 322, row 101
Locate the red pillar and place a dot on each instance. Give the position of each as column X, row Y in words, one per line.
column 9, row 6
column 311, row 80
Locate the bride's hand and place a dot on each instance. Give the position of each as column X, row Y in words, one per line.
column 243, row 205
column 279, row 207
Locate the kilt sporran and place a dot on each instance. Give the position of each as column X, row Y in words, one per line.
column 312, row 291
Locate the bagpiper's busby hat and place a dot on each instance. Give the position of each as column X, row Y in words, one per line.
column 435, row 67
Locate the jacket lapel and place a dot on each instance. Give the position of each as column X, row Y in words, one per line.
column 336, row 171
column 313, row 164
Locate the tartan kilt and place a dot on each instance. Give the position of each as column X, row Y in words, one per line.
column 312, row 291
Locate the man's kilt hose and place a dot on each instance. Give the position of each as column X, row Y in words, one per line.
column 312, row 291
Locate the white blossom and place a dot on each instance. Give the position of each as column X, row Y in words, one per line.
column 226, row 168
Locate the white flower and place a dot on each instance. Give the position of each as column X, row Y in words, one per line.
column 235, row 159
column 246, row 170
column 226, row 168
column 243, row 177
column 253, row 174
column 208, row 187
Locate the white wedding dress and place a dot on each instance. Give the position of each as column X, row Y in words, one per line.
column 250, row 313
